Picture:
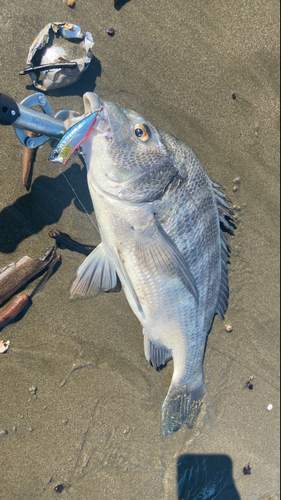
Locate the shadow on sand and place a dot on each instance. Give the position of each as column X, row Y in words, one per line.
column 42, row 206
column 205, row 477
column 118, row 4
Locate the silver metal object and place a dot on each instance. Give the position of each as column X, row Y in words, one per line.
column 41, row 123
column 42, row 99
column 30, row 143
column 58, row 56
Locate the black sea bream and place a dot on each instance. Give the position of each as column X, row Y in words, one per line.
column 160, row 219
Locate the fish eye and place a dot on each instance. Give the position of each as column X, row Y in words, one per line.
column 55, row 154
column 142, row 132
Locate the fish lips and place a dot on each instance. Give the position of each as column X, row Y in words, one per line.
column 111, row 121
column 91, row 102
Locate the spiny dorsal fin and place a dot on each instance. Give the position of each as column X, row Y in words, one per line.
column 225, row 215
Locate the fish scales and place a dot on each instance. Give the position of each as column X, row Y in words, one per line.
column 159, row 218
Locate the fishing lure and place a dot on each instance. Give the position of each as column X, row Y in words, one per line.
column 72, row 139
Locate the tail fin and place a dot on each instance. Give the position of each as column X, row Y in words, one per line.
column 181, row 406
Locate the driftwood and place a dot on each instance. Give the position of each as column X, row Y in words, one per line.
column 15, row 276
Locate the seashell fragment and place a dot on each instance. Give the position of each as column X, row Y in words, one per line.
column 4, row 346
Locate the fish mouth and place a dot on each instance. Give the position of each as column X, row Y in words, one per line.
column 93, row 103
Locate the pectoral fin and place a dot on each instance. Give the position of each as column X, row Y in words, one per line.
column 156, row 251
column 123, row 275
column 95, row 273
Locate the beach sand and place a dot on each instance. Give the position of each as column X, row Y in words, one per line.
column 94, row 423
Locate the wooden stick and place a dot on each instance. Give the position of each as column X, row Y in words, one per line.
column 15, row 277
column 24, row 301
column 27, row 161
column 13, row 309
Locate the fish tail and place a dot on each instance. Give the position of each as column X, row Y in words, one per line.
column 181, row 406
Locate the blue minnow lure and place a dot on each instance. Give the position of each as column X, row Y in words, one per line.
column 72, row 139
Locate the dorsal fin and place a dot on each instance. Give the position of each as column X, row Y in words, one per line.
column 225, row 215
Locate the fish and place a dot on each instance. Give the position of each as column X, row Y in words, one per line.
column 163, row 225
column 72, row 139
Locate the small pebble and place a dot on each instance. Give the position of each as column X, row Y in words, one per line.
column 237, row 180
column 233, row 95
column 31, row 429
column 228, row 328
column 15, row 429
column 71, row 3
column 4, row 346
column 196, row 433
column 59, row 488
column 32, row 390
column 249, row 382
column 270, row 407
column 235, row 189
column 65, row 422
column 238, row 249
column 247, row 470
column 3, row 432
column 110, row 31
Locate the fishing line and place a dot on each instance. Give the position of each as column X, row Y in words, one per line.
column 272, row 384
column 78, row 199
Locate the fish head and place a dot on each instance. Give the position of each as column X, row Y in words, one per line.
column 125, row 154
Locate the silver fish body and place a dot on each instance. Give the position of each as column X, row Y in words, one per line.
column 159, row 217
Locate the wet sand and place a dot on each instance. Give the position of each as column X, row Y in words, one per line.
column 93, row 424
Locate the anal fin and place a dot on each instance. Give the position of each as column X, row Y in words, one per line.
column 157, row 356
